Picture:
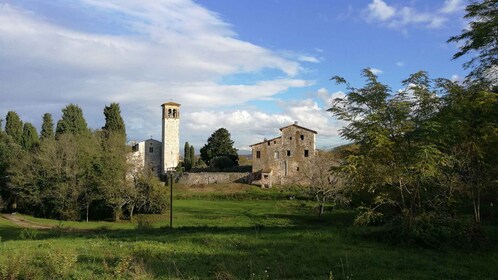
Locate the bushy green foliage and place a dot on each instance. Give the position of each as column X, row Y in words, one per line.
column 14, row 126
column 77, row 175
column 72, row 121
column 222, row 162
column 418, row 149
column 219, row 144
column 47, row 129
column 29, row 139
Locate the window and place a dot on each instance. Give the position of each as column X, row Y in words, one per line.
column 151, row 149
column 302, row 137
column 290, row 138
column 288, row 153
column 306, row 153
column 276, row 155
column 258, row 154
column 274, row 141
column 268, row 143
column 297, row 168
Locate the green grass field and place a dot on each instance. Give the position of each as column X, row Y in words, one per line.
column 228, row 232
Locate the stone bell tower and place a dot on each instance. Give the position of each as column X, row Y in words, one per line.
column 170, row 136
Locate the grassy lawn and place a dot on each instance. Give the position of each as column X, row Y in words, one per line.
column 237, row 233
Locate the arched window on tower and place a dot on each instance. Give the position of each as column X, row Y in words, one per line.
column 169, row 113
column 174, row 113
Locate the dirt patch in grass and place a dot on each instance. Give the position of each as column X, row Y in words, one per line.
column 21, row 222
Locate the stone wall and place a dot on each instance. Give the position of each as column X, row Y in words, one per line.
column 215, row 178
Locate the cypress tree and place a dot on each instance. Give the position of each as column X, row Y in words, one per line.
column 192, row 156
column 72, row 121
column 29, row 139
column 186, row 157
column 113, row 121
column 47, row 129
column 13, row 126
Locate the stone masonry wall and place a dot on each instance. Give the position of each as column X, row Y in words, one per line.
column 214, row 178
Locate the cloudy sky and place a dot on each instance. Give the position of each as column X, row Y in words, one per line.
column 251, row 66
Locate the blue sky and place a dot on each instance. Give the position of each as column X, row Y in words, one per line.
column 251, row 66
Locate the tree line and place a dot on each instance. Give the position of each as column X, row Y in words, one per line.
column 72, row 172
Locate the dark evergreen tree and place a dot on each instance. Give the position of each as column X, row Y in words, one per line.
column 219, row 144
column 192, row 157
column 186, row 157
column 29, row 138
column 113, row 121
column 72, row 121
column 47, row 129
column 13, row 126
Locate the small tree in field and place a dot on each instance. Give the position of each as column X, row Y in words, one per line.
column 325, row 183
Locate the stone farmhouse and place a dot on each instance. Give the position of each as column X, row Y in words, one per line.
column 163, row 156
column 282, row 160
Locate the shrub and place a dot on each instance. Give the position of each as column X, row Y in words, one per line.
column 222, row 162
column 433, row 230
column 28, row 234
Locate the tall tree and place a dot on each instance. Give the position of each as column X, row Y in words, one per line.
column 14, row 126
column 470, row 134
column 29, row 138
column 397, row 160
column 481, row 37
column 113, row 120
column 193, row 162
column 186, row 157
column 72, row 121
column 219, row 144
column 47, row 129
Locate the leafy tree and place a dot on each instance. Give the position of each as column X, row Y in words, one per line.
column 397, row 160
column 72, row 121
column 186, row 157
column 47, row 129
column 193, row 161
column 321, row 181
column 113, row 120
column 219, row 144
column 481, row 37
column 14, row 126
column 470, row 134
column 29, row 138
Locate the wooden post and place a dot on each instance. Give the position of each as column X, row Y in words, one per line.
column 171, row 201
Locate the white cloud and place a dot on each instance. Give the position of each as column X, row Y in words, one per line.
column 378, row 9
column 307, row 58
column 250, row 126
column 404, row 16
column 452, row 6
column 455, row 78
column 400, row 63
column 171, row 49
column 376, row 71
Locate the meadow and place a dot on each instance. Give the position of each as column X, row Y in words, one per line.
column 230, row 232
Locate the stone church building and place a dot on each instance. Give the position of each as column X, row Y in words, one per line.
column 163, row 156
column 282, row 160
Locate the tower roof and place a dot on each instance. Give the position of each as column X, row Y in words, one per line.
column 298, row 126
column 171, row 104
